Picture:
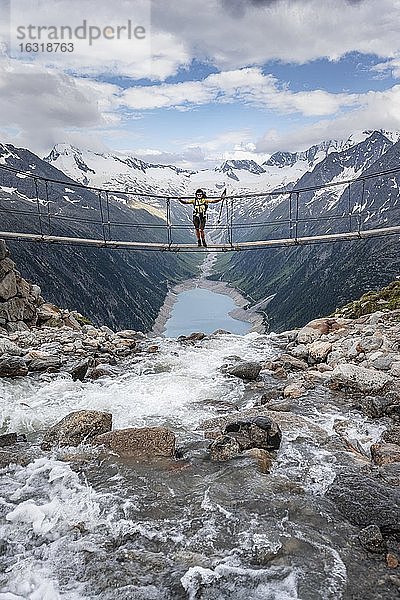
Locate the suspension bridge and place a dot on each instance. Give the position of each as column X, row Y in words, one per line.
column 42, row 203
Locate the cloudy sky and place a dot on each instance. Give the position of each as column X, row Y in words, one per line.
column 207, row 81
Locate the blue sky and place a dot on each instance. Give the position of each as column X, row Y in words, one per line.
column 213, row 80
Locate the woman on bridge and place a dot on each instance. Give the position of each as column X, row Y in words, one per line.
column 200, row 204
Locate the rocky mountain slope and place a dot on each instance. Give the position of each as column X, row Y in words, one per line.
column 121, row 288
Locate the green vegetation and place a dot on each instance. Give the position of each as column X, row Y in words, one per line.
column 387, row 298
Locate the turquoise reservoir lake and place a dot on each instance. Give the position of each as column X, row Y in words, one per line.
column 200, row 309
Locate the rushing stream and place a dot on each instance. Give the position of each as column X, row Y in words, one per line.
column 77, row 526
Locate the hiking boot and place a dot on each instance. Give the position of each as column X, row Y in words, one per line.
column 199, row 243
column 204, row 243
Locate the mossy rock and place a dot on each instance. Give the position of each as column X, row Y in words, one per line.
column 388, row 298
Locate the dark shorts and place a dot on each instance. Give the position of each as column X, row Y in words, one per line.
column 199, row 221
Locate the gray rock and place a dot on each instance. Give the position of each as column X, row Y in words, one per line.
column 8, row 347
column 77, row 428
column 8, row 439
column 8, row 286
column 17, row 326
column 44, row 363
column 258, row 432
column 319, row 350
column 12, row 366
column 392, row 436
column 300, row 351
column 6, row 265
column 78, row 372
column 143, row 441
column 3, row 250
column 8, row 457
column 365, row 501
column 359, row 378
column 291, row 363
column 245, row 370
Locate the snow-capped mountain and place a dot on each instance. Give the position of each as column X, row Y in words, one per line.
column 308, row 281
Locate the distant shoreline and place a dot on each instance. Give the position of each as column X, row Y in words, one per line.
column 219, row 287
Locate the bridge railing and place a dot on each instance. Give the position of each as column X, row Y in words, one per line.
column 38, row 207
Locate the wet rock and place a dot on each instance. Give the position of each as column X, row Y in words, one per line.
column 223, row 448
column 102, row 370
column 375, row 406
column 8, row 347
column 294, row 390
column 371, row 539
column 143, row 441
column 258, row 432
column 246, row 370
column 193, row 337
column 40, row 361
column 365, row 501
column 271, row 395
column 263, row 457
column 12, row 366
column 359, row 378
column 221, row 332
column 76, row 428
column 8, row 457
column 384, row 454
column 390, row 473
column 78, row 372
column 319, row 350
column 8, row 439
column 392, row 435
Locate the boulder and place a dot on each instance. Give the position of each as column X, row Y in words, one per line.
column 392, row 436
column 384, row 454
column 143, row 441
column 76, row 428
column 224, row 447
column 8, row 286
column 3, row 250
column 245, row 370
column 41, row 361
column 78, row 372
column 8, row 439
column 319, row 350
column 8, row 347
column 258, row 432
column 371, row 539
column 294, row 390
column 101, row 370
column 291, row 363
column 307, row 335
column 6, row 266
column 193, row 337
column 359, row 378
column 365, row 501
column 8, row 457
column 12, row 366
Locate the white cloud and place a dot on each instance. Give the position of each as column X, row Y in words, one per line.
column 248, row 85
column 232, row 33
column 388, row 68
column 378, row 110
column 42, row 104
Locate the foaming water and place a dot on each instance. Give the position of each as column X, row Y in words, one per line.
column 172, row 530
